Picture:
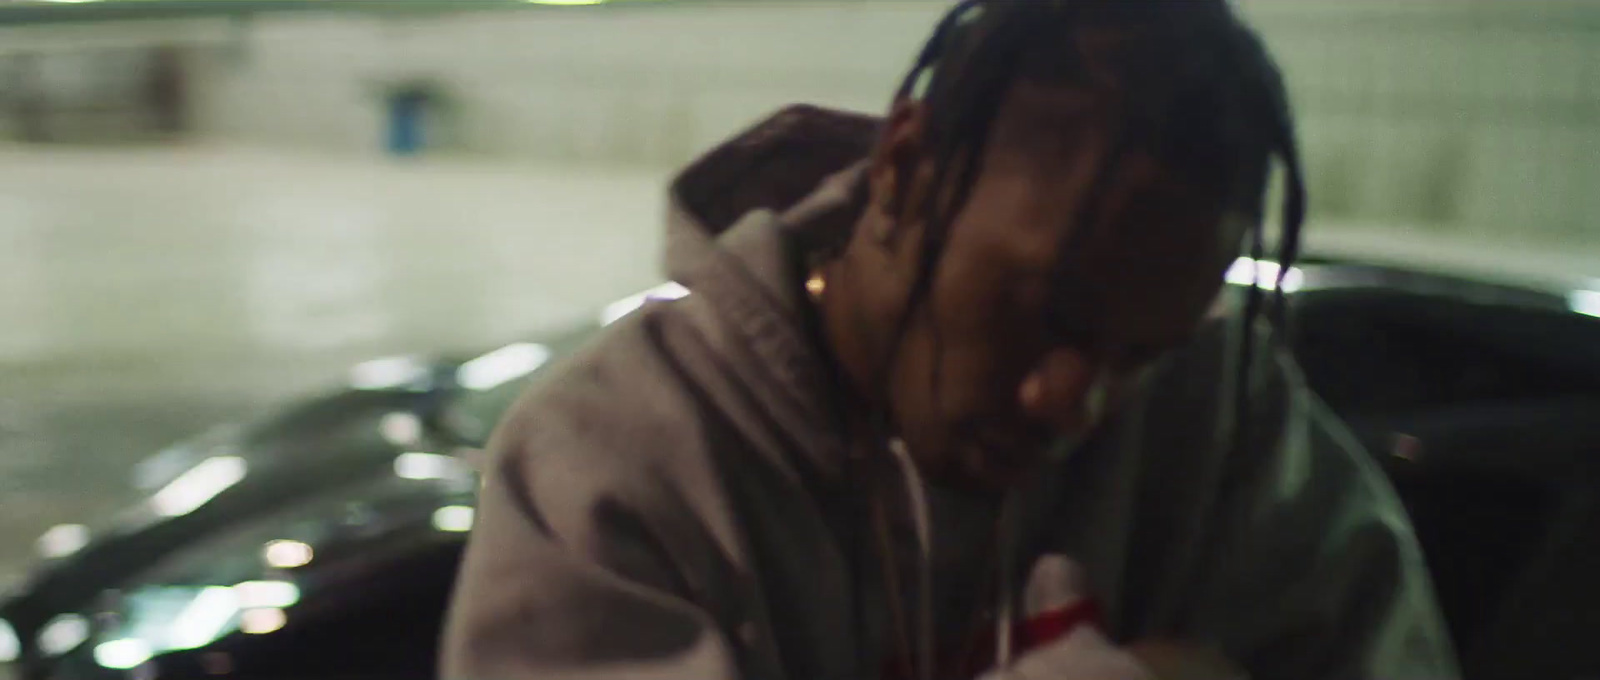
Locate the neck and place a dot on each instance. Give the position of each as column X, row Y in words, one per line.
column 847, row 329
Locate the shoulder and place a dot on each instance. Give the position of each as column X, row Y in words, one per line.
column 1206, row 420
column 621, row 406
column 612, row 454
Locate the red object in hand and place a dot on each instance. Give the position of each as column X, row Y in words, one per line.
column 1046, row 627
column 1055, row 604
column 1029, row 634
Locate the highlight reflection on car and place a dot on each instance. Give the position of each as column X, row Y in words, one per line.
column 322, row 543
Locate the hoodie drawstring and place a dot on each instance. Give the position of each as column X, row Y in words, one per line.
column 1006, row 546
column 916, row 495
column 1005, row 599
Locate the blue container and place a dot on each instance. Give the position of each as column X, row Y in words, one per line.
column 407, row 123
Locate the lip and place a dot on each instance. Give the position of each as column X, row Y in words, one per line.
column 993, row 469
column 1012, row 433
column 1005, row 445
column 1011, row 447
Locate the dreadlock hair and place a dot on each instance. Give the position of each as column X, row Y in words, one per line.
column 1194, row 88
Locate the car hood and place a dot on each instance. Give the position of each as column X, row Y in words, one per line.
column 224, row 477
column 402, row 389
column 396, row 415
column 295, row 560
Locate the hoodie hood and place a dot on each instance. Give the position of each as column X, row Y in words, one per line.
column 773, row 167
column 738, row 214
column 737, row 218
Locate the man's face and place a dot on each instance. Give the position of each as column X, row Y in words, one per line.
column 1007, row 355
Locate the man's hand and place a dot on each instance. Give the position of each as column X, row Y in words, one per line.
column 1168, row 660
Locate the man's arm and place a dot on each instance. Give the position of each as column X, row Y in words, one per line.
column 568, row 584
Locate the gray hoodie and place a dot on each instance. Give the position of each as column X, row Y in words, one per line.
column 678, row 501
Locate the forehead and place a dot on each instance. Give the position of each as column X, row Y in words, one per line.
column 1051, row 156
column 1150, row 257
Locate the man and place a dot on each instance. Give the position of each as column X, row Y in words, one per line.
column 950, row 398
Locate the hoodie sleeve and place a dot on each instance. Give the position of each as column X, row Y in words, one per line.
column 563, row 580
column 1315, row 573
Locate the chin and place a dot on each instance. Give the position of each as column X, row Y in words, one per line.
column 982, row 470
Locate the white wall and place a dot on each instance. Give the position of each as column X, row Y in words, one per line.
column 607, row 86
column 1477, row 117
column 194, row 269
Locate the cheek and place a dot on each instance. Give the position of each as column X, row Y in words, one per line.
column 1160, row 290
column 977, row 321
column 982, row 339
column 920, row 392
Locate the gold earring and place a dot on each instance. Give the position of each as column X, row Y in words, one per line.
column 816, row 285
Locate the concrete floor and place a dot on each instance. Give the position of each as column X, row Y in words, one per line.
column 148, row 294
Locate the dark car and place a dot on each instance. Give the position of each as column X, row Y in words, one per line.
column 207, row 485
column 405, row 417
column 1479, row 400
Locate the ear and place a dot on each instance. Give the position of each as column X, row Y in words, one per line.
column 899, row 172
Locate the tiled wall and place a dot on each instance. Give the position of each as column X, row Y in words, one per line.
column 1482, row 117
column 1472, row 117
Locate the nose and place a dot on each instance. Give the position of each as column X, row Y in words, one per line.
column 1065, row 391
